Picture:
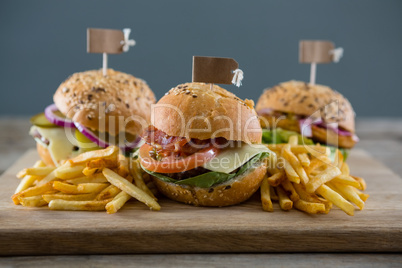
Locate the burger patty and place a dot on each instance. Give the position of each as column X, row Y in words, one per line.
column 320, row 134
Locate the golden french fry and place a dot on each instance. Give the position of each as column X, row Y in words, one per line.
column 91, row 171
column 290, row 172
column 276, row 179
column 266, row 196
column 101, row 163
column 273, row 194
column 316, row 163
column 362, row 195
column 35, row 171
column 284, row 202
column 139, row 182
column 309, row 207
column 293, row 140
column 122, row 168
column 347, row 192
column 131, row 189
column 59, row 204
column 295, row 163
column 36, row 190
column 338, row 159
column 109, row 192
column 68, row 197
column 362, row 183
column 290, row 190
column 52, row 175
column 96, row 178
column 66, row 173
column 304, row 160
column 315, row 150
column 345, row 169
column 117, row 202
column 325, row 176
column 110, row 152
column 27, row 181
column 91, row 187
column 32, row 201
column 336, row 199
column 347, row 180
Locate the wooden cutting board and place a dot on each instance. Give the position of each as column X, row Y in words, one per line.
column 182, row 228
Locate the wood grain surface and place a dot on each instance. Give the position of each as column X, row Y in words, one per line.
column 179, row 228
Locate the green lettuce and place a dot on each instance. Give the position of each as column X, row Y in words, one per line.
column 209, row 179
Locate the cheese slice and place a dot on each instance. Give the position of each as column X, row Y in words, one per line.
column 61, row 142
column 231, row 159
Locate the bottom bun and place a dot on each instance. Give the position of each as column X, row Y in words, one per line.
column 44, row 155
column 231, row 192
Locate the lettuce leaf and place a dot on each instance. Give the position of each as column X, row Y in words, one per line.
column 209, row 179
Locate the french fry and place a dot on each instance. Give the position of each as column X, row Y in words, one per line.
column 32, row 201
column 316, row 163
column 295, row 163
column 109, row 192
column 309, row 207
column 96, row 178
column 290, row 190
column 110, row 152
column 338, row 159
column 345, row 169
column 69, row 197
column 59, row 204
column 276, row 179
column 362, row 195
column 273, row 194
column 65, row 172
column 347, row 192
column 130, row 189
column 347, row 180
column 284, row 202
column 315, row 150
column 325, row 176
column 361, row 181
column 91, row 171
column 27, row 181
column 139, row 182
column 266, row 196
column 293, row 140
column 52, row 175
column 290, row 172
column 83, row 188
column 122, row 168
column 336, row 199
column 117, row 202
column 304, row 160
column 35, row 171
column 36, row 190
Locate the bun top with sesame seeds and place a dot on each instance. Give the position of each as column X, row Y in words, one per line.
column 113, row 103
column 197, row 110
column 304, row 99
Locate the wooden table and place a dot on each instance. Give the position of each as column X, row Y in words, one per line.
column 381, row 137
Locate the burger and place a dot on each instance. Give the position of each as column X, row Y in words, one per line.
column 316, row 113
column 203, row 147
column 92, row 111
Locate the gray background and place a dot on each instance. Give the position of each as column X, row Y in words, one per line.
column 43, row 42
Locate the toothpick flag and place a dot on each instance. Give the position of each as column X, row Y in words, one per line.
column 316, row 51
column 107, row 41
column 216, row 70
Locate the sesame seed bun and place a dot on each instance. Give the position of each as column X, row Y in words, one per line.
column 231, row 192
column 194, row 110
column 94, row 100
column 304, row 99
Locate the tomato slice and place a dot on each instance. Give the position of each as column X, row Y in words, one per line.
column 173, row 165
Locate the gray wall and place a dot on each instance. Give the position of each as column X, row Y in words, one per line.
column 42, row 42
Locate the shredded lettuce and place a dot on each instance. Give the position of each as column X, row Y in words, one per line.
column 212, row 178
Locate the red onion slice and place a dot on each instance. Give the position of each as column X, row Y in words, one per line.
column 55, row 119
column 102, row 143
column 265, row 111
column 305, row 127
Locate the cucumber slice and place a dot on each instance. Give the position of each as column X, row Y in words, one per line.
column 40, row 120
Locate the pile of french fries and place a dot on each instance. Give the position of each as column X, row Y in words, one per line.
column 303, row 176
column 94, row 180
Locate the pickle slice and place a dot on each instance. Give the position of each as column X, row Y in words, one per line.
column 40, row 120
